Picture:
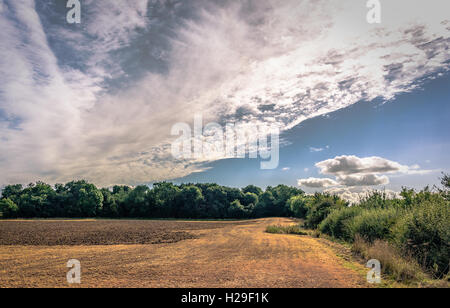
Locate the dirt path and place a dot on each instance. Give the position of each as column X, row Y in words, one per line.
column 233, row 256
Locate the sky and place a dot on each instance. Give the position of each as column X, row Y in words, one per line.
column 358, row 105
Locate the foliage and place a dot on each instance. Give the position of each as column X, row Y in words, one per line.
column 320, row 206
column 337, row 224
column 374, row 224
column 252, row 189
column 298, row 205
column 378, row 200
column 8, row 208
column 163, row 200
column 416, row 225
column 236, row 210
column 425, row 233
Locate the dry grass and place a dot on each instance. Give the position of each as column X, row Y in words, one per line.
column 232, row 255
column 393, row 263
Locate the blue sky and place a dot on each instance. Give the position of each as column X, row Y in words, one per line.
column 359, row 106
column 411, row 129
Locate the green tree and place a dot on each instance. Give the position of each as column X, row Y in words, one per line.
column 136, row 202
column 90, row 201
column 12, row 192
column 237, row 210
column 110, row 208
column 36, row 201
column 250, row 199
column 216, row 202
column 252, row 189
column 298, row 206
column 164, row 201
column 445, row 180
column 191, row 198
column 282, row 194
column 84, row 199
column 265, row 205
column 8, row 208
column 320, row 207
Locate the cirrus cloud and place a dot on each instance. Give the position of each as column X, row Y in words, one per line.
column 98, row 101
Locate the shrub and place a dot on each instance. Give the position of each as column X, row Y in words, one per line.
column 425, row 233
column 337, row 223
column 320, row 207
column 374, row 223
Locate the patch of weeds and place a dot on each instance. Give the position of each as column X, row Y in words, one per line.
column 294, row 229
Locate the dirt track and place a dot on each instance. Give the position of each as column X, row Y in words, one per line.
column 233, row 255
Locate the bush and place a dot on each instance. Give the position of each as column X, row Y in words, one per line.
column 337, row 224
column 320, row 207
column 425, row 233
column 374, row 224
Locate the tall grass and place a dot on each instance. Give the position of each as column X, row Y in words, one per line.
column 393, row 262
column 294, row 229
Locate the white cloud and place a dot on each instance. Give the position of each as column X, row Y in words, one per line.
column 363, row 180
column 348, row 165
column 317, row 183
column 353, row 171
column 314, row 150
column 281, row 62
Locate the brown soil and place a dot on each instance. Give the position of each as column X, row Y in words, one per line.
column 98, row 232
column 221, row 254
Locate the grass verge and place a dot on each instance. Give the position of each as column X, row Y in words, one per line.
column 394, row 264
column 293, row 229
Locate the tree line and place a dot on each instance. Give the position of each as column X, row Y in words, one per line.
column 80, row 199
